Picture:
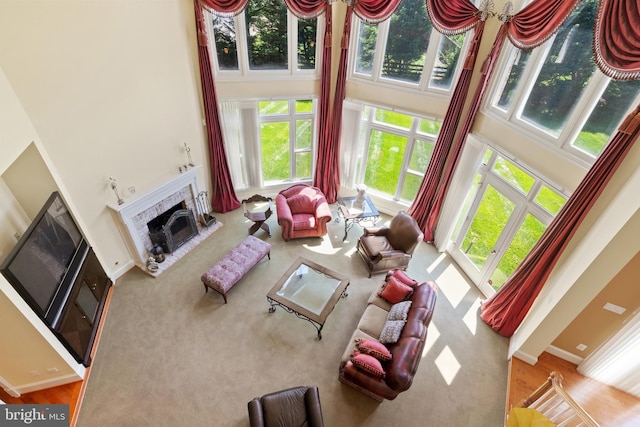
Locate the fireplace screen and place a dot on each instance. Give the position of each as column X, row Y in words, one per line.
column 172, row 232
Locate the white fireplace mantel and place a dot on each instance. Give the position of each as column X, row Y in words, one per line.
column 134, row 214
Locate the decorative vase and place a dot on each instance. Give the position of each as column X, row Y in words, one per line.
column 362, row 193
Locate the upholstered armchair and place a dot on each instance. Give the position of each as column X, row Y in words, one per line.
column 302, row 211
column 298, row 406
column 385, row 248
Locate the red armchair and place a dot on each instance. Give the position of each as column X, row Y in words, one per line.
column 302, row 211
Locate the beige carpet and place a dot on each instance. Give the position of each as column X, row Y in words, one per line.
column 171, row 355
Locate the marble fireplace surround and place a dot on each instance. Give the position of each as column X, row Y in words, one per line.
column 134, row 214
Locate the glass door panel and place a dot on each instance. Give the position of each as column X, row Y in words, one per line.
column 489, row 219
column 526, row 237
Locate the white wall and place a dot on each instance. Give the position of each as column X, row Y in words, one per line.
column 112, row 89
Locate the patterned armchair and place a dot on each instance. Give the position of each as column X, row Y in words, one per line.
column 302, row 211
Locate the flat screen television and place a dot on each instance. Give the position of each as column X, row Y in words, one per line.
column 43, row 264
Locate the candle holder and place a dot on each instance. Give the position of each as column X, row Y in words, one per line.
column 114, row 187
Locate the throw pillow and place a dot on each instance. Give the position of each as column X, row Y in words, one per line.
column 399, row 311
column 368, row 364
column 395, row 291
column 300, row 204
column 373, row 348
column 391, row 331
column 402, row 276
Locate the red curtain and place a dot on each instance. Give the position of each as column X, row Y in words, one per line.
column 224, row 197
column 616, row 39
column 528, row 28
column 447, row 17
column 327, row 174
column 506, row 309
column 326, row 171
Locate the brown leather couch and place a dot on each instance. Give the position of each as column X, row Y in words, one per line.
column 406, row 352
column 302, row 211
column 386, row 248
column 297, row 406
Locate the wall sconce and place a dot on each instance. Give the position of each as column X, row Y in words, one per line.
column 114, row 187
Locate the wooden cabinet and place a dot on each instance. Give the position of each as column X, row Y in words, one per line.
column 82, row 313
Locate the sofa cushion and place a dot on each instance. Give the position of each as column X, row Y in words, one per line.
column 402, row 276
column 351, row 347
column 395, row 291
column 304, row 221
column 368, row 363
column 391, row 331
column 372, row 320
column 373, row 348
column 399, row 311
column 301, row 204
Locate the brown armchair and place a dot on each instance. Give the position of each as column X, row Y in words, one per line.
column 296, row 406
column 302, row 211
column 386, row 248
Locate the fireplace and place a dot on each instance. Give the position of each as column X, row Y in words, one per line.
column 173, row 228
column 177, row 194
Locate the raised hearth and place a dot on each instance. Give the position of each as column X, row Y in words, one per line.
column 134, row 215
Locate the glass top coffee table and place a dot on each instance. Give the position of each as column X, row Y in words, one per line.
column 308, row 290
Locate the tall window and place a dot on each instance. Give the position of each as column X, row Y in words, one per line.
column 556, row 92
column 504, row 215
column 404, row 50
column 286, row 140
column 264, row 38
column 396, row 150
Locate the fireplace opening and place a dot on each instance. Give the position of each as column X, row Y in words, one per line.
column 172, row 228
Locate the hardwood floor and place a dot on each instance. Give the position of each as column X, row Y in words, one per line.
column 65, row 394
column 609, row 406
column 70, row 394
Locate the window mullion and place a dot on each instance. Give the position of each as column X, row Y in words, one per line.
column 242, row 43
column 381, row 46
column 292, row 34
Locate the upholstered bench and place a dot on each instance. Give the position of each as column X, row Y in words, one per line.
column 230, row 269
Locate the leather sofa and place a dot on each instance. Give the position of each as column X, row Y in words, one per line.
column 297, row 406
column 385, row 248
column 406, row 353
column 302, row 211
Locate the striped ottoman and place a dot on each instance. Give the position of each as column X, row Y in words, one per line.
column 230, row 269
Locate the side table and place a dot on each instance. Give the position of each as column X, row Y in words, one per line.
column 257, row 208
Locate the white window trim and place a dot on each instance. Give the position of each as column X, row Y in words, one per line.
column 358, row 151
column 244, row 73
column 291, row 117
column 423, row 86
column 562, row 144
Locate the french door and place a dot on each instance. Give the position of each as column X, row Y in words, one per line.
column 506, row 212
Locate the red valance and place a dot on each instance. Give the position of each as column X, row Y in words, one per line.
column 538, row 21
column 224, row 7
column 307, row 9
column 375, row 11
column 453, row 16
column 616, row 39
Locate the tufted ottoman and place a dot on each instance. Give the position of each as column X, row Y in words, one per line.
column 230, row 269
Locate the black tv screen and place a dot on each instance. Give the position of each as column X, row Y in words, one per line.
column 38, row 264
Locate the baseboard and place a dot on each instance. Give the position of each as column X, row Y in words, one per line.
column 41, row 385
column 119, row 272
column 564, row 355
column 525, row 357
